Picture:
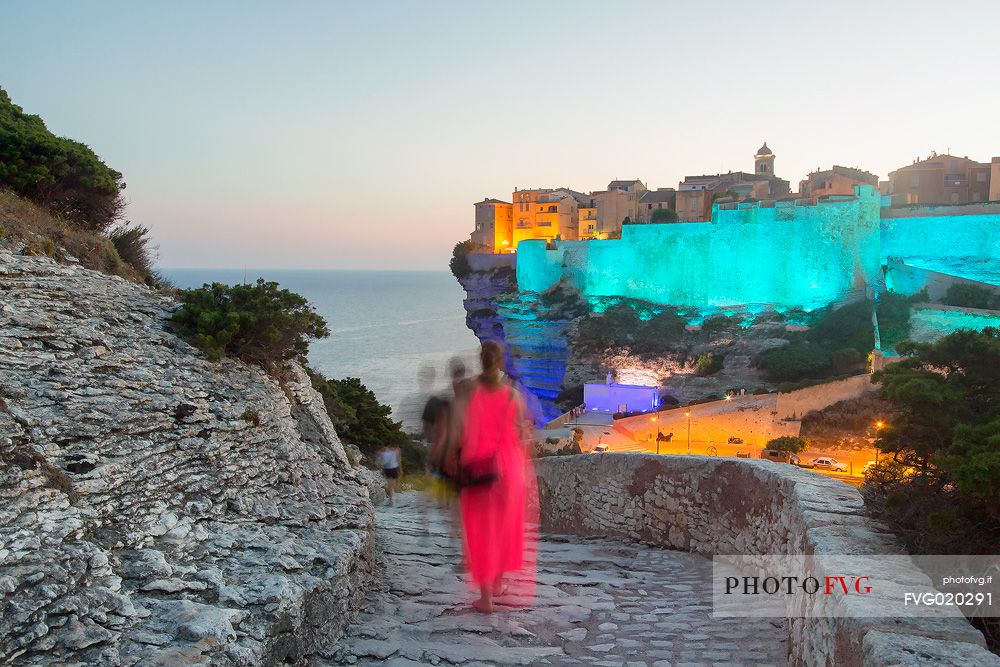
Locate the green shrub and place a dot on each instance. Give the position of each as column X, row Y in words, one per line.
column 132, row 243
column 971, row 296
column 62, row 175
column 708, row 363
column 795, row 361
column 620, row 326
column 663, row 215
column 259, row 323
column 360, row 419
column 788, row 443
column 459, row 263
column 717, row 324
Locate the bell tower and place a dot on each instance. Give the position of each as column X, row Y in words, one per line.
column 764, row 161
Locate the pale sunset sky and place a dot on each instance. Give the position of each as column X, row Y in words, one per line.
column 359, row 134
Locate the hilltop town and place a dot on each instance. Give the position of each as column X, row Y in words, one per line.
column 569, row 215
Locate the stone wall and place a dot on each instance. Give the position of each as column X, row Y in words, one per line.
column 931, row 322
column 784, row 254
column 732, row 506
column 795, row 404
column 155, row 507
column 905, row 279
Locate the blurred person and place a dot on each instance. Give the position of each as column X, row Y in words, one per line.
column 497, row 483
column 390, row 458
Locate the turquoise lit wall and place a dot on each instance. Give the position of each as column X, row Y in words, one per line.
column 785, row 255
column 931, row 323
column 967, row 246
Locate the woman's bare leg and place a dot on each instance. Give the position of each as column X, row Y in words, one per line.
column 485, row 602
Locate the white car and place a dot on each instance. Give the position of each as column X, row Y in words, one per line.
column 599, row 448
column 829, row 463
column 868, row 467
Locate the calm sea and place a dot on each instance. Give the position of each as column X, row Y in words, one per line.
column 384, row 325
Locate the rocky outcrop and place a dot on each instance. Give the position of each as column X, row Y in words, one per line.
column 155, row 507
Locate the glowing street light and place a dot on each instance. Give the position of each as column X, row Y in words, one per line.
column 688, row 415
column 879, row 425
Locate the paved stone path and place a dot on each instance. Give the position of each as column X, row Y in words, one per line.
column 598, row 602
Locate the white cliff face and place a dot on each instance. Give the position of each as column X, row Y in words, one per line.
column 155, row 507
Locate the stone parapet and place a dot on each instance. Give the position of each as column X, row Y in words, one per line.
column 733, row 506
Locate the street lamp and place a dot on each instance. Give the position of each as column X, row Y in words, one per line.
column 688, row 415
column 879, row 425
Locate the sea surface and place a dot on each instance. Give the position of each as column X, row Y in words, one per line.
column 384, row 325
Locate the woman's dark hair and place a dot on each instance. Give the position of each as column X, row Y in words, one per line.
column 491, row 357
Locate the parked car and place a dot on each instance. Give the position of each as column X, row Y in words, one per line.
column 775, row 455
column 742, row 455
column 598, row 449
column 733, row 440
column 829, row 463
column 868, row 467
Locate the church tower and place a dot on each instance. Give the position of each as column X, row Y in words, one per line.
column 764, row 161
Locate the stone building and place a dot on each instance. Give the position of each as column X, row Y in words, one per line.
column 494, row 226
column 696, row 194
column 614, row 205
column 547, row 213
column 944, row 179
column 654, row 200
column 836, row 181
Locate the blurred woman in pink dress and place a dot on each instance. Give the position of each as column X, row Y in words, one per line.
column 498, row 488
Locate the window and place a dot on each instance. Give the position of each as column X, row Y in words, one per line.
column 915, row 181
column 954, row 197
column 975, row 196
column 981, row 177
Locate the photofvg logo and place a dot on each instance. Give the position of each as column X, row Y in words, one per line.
column 831, row 586
column 790, row 585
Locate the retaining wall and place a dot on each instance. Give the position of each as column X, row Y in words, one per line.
column 713, row 506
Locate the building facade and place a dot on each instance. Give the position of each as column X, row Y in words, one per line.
column 616, row 204
column 696, row 194
column 836, row 181
column 494, row 226
column 943, row 179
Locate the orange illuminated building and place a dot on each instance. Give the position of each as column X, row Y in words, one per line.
column 494, row 226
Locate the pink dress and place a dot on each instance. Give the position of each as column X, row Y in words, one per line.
column 499, row 538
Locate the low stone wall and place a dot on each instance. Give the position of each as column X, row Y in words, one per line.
column 732, row 506
column 907, row 279
column 795, row 404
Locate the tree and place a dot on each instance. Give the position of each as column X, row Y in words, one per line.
column 788, row 443
column 459, row 263
column 360, row 419
column 941, row 490
column 663, row 215
column 63, row 175
column 259, row 323
column 971, row 296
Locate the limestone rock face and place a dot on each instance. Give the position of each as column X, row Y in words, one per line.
column 155, row 507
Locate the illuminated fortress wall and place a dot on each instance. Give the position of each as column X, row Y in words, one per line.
column 782, row 254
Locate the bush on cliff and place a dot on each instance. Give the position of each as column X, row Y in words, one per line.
column 971, row 296
column 361, row 420
column 259, row 323
column 63, row 175
column 620, row 326
column 941, row 489
column 838, row 340
column 708, row 363
column 459, row 263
